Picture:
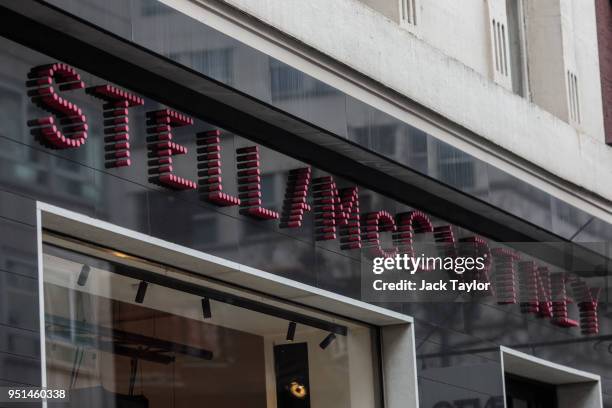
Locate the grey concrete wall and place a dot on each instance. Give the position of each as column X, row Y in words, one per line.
column 581, row 395
column 398, row 366
column 372, row 44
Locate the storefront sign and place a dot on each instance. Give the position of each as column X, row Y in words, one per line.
column 336, row 210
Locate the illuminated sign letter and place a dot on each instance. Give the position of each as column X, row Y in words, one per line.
column 528, row 287
column 560, row 316
column 409, row 224
column 336, row 210
column 505, row 275
column 373, row 224
column 294, row 204
column 162, row 148
column 116, row 122
column 445, row 238
column 209, row 170
column 327, row 209
column 71, row 130
column 544, row 293
column 587, row 299
column 350, row 228
column 249, row 189
column 476, row 247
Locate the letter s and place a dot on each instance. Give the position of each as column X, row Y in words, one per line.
column 71, row 129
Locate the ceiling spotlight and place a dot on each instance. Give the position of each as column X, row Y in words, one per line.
column 206, row 312
column 142, row 290
column 83, row 275
column 327, row 341
column 291, row 331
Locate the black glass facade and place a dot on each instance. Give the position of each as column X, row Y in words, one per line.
column 192, row 44
column 457, row 344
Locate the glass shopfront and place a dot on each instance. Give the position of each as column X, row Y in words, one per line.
column 124, row 332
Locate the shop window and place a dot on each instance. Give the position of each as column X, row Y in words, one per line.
column 126, row 332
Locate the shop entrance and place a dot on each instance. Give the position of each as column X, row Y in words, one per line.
column 532, row 382
column 524, row 393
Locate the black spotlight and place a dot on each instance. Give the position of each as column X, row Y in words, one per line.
column 327, row 341
column 206, row 312
column 142, row 291
column 291, row 331
column 83, row 275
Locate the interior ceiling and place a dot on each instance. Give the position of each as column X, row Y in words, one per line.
column 63, row 272
column 221, row 270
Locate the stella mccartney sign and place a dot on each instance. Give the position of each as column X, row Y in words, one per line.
column 336, row 210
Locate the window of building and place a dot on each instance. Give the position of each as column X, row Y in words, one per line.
column 123, row 331
column 500, row 60
column 517, row 57
column 408, row 12
column 574, row 96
